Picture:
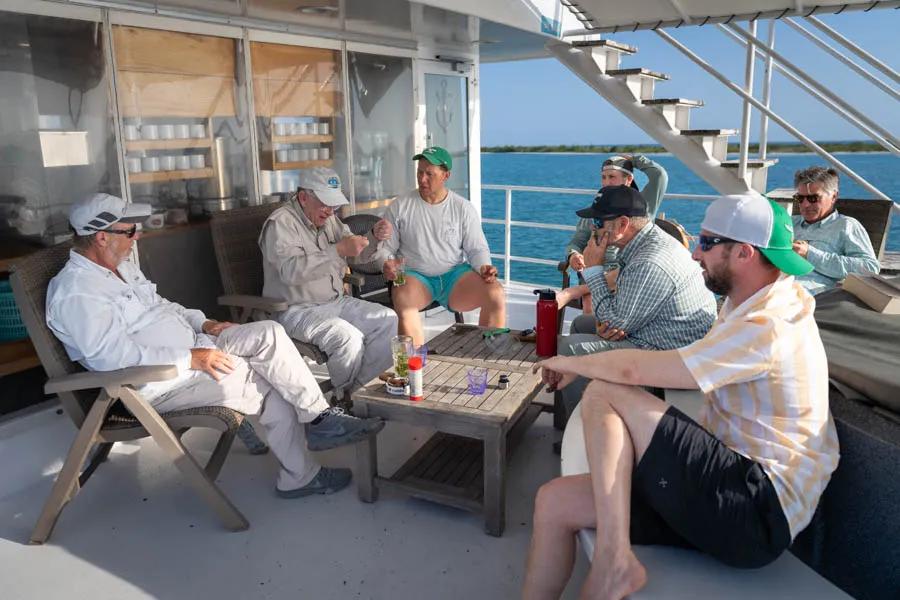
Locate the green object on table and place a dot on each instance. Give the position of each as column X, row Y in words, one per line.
column 492, row 332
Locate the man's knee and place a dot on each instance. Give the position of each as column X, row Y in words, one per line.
column 597, row 395
column 549, row 505
column 495, row 296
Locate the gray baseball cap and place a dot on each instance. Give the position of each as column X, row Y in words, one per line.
column 325, row 183
column 97, row 212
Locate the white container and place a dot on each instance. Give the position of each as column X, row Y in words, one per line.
column 182, row 132
column 183, row 162
column 149, row 132
column 314, row 154
column 198, row 131
column 198, row 161
column 282, row 155
column 324, row 128
column 294, row 154
column 324, row 153
column 155, row 221
column 150, row 163
column 167, row 132
column 132, row 133
column 304, row 153
column 166, row 163
column 134, row 164
column 301, row 128
column 282, row 129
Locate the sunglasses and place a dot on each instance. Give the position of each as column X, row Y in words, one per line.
column 598, row 223
column 706, row 242
column 811, row 198
column 129, row 233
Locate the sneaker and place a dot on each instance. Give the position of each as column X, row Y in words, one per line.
column 248, row 436
column 326, row 481
column 338, row 428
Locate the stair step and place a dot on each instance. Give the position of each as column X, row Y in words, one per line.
column 613, row 45
column 673, row 101
column 640, row 71
column 753, row 163
column 708, row 132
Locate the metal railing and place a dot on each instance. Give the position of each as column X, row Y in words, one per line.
column 507, row 257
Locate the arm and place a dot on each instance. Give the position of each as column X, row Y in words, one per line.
column 640, row 290
column 475, row 245
column 657, row 182
column 664, row 369
column 294, row 261
column 369, row 253
column 390, row 246
column 580, row 237
column 857, row 256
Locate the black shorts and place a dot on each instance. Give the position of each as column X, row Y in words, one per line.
column 691, row 490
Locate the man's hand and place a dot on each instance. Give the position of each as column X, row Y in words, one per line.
column 488, row 273
column 801, row 247
column 383, row 230
column 555, row 373
column 576, row 261
column 215, row 328
column 390, row 269
column 611, row 277
column 351, row 245
column 609, row 333
column 595, row 251
column 212, row 361
column 563, row 297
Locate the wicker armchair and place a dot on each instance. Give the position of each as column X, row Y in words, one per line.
column 106, row 408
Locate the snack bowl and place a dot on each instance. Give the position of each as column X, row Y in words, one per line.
column 397, row 386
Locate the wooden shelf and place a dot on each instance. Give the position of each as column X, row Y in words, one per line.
column 17, row 356
column 303, row 164
column 301, row 139
column 154, row 176
column 175, row 144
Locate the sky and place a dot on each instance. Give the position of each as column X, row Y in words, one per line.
column 534, row 102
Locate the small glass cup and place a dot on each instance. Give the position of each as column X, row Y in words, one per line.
column 477, row 377
column 400, row 270
column 401, row 348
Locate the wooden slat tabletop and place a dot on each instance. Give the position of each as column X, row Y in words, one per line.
column 450, row 355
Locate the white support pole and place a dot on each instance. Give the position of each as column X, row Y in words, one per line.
column 507, row 232
column 886, row 88
column 812, row 82
column 745, row 117
column 848, row 116
column 775, row 117
column 766, row 97
column 852, row 47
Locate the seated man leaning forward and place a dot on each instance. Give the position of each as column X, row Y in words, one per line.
column 109, row 316
column 439, row 235
column 655, row 300
column 833, row 244
column 746, row 480
column 306, row 249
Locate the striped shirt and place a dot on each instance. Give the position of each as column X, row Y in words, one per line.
column 661, row 301
column 838, row 246
column 764, row 372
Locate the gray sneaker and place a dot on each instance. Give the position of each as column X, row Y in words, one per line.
column 326, row 481
column 337, row 428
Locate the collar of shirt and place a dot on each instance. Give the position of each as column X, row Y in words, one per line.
column 831, row 217
column 782, row 286
column 83, row 262
column 635, row 243
column 298, row 210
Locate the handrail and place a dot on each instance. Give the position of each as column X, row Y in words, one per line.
column 847, row 43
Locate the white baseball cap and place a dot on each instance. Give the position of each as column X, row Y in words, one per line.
column 325, row 183
column 97, row 212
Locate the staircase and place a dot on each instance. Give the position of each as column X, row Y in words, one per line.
column 666, row 120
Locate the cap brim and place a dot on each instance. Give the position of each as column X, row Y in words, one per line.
column 135, row 213
column 435, row 161
column 586, row 213
column 788, row 261
column 332, row 198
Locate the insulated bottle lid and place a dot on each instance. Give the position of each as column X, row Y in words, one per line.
column 546, row 294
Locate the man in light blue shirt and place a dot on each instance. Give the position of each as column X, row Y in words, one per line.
column 836, row 245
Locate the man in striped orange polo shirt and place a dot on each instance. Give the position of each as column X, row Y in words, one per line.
column 746, row 479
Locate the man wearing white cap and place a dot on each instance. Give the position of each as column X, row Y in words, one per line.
column 745, row 480
column 305, row 250
column 109, row 316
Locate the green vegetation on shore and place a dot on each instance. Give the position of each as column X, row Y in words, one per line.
column 652, row 148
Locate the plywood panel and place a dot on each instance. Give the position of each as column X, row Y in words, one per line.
column 152, row 50
column 279, row 61
column 171, row 95
column 296, row 99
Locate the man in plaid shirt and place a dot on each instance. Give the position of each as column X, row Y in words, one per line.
column 655, row 300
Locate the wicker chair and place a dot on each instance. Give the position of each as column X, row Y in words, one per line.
column 106, row 408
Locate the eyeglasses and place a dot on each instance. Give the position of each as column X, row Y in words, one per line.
column 129, row 233
column 706, row 242
column 811, row 198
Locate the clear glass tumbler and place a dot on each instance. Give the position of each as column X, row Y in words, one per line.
column 477, row 377
column 401, row 348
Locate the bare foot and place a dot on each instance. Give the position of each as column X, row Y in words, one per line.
column 615, row 581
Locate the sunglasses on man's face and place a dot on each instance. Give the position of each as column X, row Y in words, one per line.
column 598, row 223
column 706, row 242
column 129, row 233
column 811, row 198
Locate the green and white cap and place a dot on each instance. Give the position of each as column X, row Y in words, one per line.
column 436, row 156
column 755, row 220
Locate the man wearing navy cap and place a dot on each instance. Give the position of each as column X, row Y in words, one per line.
column 655, row 300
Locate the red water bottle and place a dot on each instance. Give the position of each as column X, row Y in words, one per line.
column 547, row 313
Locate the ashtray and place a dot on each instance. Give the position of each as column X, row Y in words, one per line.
column 397, row 386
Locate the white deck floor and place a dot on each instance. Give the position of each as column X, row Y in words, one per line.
column 136, row 531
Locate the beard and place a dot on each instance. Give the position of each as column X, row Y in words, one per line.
column 719, row 281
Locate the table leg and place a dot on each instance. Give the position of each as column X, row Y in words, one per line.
column 495, row 482
column 366, row 461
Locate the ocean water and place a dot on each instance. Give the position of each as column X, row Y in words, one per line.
column 582, row 171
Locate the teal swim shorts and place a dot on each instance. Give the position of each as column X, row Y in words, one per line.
column 440, row 286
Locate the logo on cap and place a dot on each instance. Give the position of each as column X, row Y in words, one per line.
column 333, row 182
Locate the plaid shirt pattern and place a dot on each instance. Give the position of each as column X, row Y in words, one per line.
column 661, row 300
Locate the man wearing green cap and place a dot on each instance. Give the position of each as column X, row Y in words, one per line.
column 741, row 483
column 446, row 255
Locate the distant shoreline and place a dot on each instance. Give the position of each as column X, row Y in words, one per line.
column 773, row 148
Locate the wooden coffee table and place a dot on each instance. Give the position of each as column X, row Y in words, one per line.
column 464, row 463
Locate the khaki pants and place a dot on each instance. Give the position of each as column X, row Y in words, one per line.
column 270, row 379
